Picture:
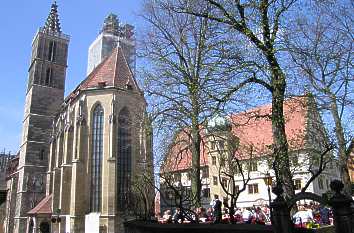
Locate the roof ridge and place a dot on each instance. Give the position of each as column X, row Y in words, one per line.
column 116, row 65
column 267, row 106
column 92, row 72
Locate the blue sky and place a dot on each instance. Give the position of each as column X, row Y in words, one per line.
column 19, row 21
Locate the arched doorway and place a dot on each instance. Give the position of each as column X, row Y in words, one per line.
column 44, row 227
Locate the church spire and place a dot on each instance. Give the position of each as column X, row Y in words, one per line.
column 52, row 24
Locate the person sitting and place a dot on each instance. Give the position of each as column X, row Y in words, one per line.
column 324, row 215
column 202, row 215
column 238, row 215
column 260, row 217
column 178, row 216
column 302, row 217
column 209, row 215
column 247, row 215
column 225, row 215
column 167, row 217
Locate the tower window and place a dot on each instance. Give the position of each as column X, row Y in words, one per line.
column 41, row 155
column 96, row 159
column 52, row 50
column 48, row 77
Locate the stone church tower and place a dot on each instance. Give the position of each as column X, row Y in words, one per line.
column 112, row 35
column 45, row 94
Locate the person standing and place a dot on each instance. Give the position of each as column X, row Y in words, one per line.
column 247, row 215
column 216, row 204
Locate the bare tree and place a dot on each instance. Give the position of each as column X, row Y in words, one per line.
column 231, row 166
column 320, row 43
column 259, row 23
column 181, row 75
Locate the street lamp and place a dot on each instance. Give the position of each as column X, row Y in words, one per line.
column 268, row 181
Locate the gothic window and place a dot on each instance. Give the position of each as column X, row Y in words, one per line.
column 52, row 51
column 48, row 77
column 124, row 160
column 41, row 155
column 96, row 159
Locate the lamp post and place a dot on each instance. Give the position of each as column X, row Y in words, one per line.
column 268, row 181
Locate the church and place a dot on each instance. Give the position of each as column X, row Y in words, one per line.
column 81, row 156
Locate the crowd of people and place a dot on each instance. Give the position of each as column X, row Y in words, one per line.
column 216, row 214
column 312, row 216
column 307, row 215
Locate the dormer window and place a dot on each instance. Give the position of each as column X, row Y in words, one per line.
column 101, row 84
column 129, row 87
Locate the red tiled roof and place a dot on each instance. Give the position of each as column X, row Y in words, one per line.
column 253, row 128
column 180, row 155
column 112, row 71
column 43, row 207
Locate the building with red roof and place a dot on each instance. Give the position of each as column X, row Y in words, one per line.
column 251, row 132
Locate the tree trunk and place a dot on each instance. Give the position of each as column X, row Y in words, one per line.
column 342, row 152
column 196, row 141
column 282, row 165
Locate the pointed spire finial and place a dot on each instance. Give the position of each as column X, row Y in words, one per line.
column 52, row 24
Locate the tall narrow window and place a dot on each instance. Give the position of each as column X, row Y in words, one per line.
column 52, row 50
column 48, row 77
column 124, row 160
column 96, row 159
column 41, row 155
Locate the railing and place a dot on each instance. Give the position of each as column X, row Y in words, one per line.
column 55, row 34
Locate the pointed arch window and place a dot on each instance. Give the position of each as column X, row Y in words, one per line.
column 41, row 154
column 52, row 51
column 124, row 158
column 96, row 159
column 48, row 77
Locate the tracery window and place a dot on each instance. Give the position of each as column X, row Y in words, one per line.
column 96, row 159
column 48, row 77
column 124, row 160
column 52, row 51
